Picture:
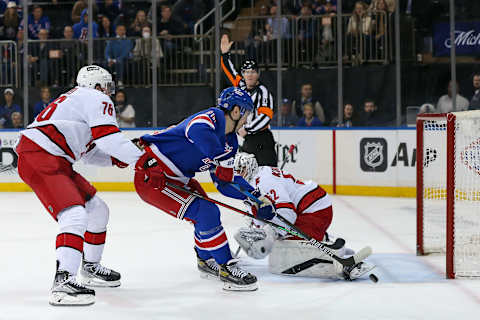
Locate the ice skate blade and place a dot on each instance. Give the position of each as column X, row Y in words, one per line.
column 227, row 286
column 98, row 283
column 208, row 276
column 65, row 299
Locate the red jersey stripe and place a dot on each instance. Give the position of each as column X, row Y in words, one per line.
column 103, row 130
column 287, row 205
column 54, row 135
column 309, row 198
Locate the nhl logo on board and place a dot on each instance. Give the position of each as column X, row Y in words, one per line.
column 373, row 154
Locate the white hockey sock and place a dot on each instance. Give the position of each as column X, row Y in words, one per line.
column 69, row 243
column 98, row 215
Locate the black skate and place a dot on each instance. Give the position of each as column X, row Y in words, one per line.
column 95, row 275
column 236, row 279
column 66, row 291
column 208, row 268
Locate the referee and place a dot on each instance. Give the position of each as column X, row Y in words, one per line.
column 258, row 137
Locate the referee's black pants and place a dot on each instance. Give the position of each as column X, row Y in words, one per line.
column 262, row 145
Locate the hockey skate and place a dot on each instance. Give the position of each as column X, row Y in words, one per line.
column 236, row 279
column 66, row 291
column 208, row 268
column 95, row 275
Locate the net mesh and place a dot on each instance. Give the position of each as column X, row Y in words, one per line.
column 467, row 195
column 434, row 185
column 466, row 249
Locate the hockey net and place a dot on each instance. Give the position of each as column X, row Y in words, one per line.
column 448, row 190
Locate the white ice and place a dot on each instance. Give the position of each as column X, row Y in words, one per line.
column 154, row 253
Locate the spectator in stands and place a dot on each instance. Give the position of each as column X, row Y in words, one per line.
column 168, row 24
column 125, row 112
column 189, row 11
column 258, row 35
column 40, row 52
column 390, row 5
column 109, row 8
column 324, row 7
column 309, row 119
column 77, row 10
column 306, row 30
column 349, row 117
column 136, row 28
column 16, row 120
column 10, row 22
column 276, row 29
column 106, row 29
column 358, row 33
column 370, row 116
column 143, row 46
column 117, row 52
column 36, row 21
column 475, row 101
column 69, row 57
column 445, row 103
column 45, row 97
column 80, row 30
column 8, row 108
column 287, row 119
column 307, row 97
column 380, row 26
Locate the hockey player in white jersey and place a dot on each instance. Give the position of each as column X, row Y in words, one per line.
column 79, row 125
column 309, row 208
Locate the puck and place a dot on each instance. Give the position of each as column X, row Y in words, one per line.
column 373, row 278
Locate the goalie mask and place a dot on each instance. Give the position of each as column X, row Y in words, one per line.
column 246, row 165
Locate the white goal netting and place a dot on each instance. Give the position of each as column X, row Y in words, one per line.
column 465, row 251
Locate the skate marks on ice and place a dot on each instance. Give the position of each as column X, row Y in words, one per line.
column 390, row 268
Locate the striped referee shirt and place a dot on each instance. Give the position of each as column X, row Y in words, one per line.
column 262, row 99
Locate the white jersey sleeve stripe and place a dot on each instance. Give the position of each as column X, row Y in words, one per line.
column 197, row 120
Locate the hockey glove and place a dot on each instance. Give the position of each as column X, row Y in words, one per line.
column 154, row 178
column 118, row 163
column 139, row 143
column 265, row 210
column 224, row 170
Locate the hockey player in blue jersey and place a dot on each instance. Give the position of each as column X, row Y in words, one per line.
column 204, row 141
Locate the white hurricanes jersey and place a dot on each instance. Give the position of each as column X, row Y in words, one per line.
column 77, row 119
column 292, row 197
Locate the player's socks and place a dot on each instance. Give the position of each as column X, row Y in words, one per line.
column 67, row 291
column 236, row 279
column 208, row 267
column 95, row 275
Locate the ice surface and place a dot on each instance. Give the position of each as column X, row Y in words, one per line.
column 154, row 253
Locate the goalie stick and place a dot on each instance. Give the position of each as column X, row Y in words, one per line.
column 339, row 242
column 348, row 263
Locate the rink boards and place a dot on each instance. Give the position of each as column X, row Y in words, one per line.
column 376, row 162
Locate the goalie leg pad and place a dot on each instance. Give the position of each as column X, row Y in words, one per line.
column 299, row 258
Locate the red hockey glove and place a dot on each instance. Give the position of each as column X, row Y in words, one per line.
column 118, row 163
column 224, row 170
column 139, row 143
column 224, row 174
column 155, row 178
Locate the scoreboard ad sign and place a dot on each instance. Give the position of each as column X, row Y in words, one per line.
column 467, row 39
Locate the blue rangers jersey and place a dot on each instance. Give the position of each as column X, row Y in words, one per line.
column 198, row 144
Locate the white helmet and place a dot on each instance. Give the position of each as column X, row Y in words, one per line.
column 91, row 76
column 246, row 165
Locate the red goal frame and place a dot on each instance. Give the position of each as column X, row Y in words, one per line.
column 450, row 186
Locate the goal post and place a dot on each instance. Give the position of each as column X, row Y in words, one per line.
column 448, row 190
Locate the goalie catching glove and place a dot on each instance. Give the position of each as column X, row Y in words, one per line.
column 265, row 210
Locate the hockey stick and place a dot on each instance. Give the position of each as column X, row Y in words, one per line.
column 336, row 245
column 290, row 152
column 349, row 262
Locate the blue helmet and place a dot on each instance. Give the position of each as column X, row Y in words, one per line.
column 232, row 97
